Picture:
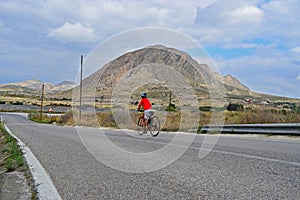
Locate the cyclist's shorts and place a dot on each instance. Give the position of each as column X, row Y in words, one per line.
column 147, row 113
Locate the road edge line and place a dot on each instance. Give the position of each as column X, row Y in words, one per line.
column 43, row 183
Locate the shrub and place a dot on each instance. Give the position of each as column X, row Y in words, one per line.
column 284, row 112
column 205, row 108
column 171, row 107
column 45, row 119
column 106, row 119
column 67, row 118
column 17, row 103
column 235, row 107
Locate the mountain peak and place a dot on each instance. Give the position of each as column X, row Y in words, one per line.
column 65, row 83
column 230, row 81
column 230, row 77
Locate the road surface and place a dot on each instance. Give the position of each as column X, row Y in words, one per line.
column 238, row 167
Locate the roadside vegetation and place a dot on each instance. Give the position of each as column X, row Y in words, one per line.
column 171, row 118
column 11, row 155
column 261, row 116
column 45, row 119
column 170, row 121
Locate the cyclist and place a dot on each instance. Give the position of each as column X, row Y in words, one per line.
column 145, row 103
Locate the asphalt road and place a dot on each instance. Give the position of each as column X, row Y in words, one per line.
column 238, row 167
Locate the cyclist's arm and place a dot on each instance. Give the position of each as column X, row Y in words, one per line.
column 140, row 104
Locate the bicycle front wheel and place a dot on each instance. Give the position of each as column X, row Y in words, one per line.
column 154, row 126
column 140, row 126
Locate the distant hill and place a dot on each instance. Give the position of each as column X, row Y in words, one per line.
column 34, row 87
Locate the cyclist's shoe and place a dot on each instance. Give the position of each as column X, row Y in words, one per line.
column 145, row 131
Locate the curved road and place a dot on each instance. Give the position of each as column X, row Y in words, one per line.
column 237, row 168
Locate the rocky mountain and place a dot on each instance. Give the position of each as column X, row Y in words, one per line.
column 203, row 80
column 34, row 87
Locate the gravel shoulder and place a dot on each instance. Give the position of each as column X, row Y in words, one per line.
column 15, row 185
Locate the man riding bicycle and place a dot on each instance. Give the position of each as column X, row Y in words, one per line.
column 145, row 103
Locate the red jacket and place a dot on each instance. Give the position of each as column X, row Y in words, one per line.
column 145, row 103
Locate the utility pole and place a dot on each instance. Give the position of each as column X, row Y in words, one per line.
column 42, row 99
column 170, row 98
column 101, row 101
column 81, row 63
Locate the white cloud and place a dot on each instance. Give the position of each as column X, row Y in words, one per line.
column 298, row 77
column 238, row 21
column 282, row 21
column 218, row 23
column 73, row 32
column 111, row 17
column 246, row 15
column 233, row 22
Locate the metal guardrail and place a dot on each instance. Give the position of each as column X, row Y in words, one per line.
column 273, row 129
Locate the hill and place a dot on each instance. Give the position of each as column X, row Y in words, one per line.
column 202, row 80
column 33, row 88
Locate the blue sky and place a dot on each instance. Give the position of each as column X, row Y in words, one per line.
column 257, row 41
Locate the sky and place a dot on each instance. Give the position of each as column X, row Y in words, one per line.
column 256, row 41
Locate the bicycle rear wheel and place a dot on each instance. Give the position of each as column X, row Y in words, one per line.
column 140, row 126
column 154, row 126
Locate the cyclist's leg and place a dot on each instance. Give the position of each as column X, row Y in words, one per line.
column 145, row 125
column 141, row 126
column 141, row 121
column 146, row 116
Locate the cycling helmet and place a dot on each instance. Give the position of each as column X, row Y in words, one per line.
column 144, row 94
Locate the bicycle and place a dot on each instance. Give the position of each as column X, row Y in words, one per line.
column 153, row 124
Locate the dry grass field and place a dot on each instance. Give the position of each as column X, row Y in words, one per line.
column 172, row 121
